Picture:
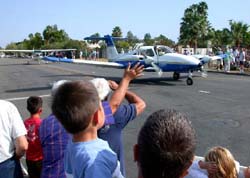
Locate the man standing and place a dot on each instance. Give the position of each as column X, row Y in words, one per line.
column 13, row 142
column 120, row 114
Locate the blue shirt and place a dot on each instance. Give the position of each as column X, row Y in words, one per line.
column 91, row 159
column 113, row 133
column 54, row 140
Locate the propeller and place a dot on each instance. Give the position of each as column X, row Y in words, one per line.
column 150, row 60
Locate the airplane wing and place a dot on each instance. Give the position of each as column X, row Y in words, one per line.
column 88, row 62
column 35, row 50
column 16, row 50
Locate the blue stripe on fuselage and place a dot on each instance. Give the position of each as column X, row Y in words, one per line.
column 164, row 67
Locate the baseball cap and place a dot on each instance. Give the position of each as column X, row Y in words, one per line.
column 102, row 87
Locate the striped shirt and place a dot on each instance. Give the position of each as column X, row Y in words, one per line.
column 54, row 140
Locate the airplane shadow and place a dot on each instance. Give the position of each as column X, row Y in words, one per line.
column 164, row 81
column 13, row 64
column 144, row 80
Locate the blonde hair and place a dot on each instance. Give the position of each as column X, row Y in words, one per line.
column 224, row 161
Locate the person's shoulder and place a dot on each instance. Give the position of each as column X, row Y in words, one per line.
column 7, row 104
column 125, row 112
column 50, row 118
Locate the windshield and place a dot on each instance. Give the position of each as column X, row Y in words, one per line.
column 165, row 49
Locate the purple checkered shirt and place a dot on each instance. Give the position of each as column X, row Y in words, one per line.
column 54, row 140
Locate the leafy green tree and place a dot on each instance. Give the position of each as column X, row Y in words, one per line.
column 238, row 31
column 131, row 39
column 247, row 40
column 51, row 34
column 147, row 39
column 11, row 46
column 94, row 35
column 35, row 41
column 117, row 32
column 194, row 25
column 163, row 40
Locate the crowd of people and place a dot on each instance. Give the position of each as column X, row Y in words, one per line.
column 231, row 57
column 82, row 137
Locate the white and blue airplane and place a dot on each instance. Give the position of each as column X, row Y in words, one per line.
column 157, row 58
column 154, row 58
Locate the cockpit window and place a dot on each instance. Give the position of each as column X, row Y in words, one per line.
column 147, row 52
column 165, row 49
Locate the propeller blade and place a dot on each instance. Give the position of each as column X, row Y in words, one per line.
column 157, row 69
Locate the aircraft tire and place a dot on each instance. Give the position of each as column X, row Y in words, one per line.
column 176, row 76
column 189, row 81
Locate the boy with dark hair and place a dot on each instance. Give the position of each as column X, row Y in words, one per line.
column 34, row 154
column 165, row 146
column 77, row 106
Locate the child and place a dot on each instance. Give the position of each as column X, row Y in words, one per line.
column 165, row 145
column 34, row 153
column 219, row 163
column 77, row 106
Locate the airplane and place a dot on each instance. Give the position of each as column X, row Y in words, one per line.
column 42, row 54
column 157, row 58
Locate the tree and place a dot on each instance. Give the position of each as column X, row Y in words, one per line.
column 51, row 34
column 117, row 32
column 94, row 35
column 147, row 39
column 194, row 25
column 132, row 40
column 162, row 40
column 238, row 32
column 35, row 41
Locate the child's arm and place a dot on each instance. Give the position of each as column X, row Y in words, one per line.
column 211, row 167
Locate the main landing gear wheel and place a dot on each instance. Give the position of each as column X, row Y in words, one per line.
column 176, row 76
column 189, row 81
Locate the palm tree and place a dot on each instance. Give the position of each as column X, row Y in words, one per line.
column 238, row 32
column 117, row 32
column 194, row 25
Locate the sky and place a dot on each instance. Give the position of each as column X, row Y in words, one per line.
column 82, row 18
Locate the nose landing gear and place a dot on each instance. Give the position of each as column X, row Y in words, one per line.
column 189, row 80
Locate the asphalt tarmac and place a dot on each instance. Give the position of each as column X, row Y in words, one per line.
column 218, row 105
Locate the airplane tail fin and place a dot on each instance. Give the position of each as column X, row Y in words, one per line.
column 111, row 49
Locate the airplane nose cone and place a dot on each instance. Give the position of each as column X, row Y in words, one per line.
column 192, row 60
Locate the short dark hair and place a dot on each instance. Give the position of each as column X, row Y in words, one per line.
column 166, row 145
column 74, row 103
column 34, row 103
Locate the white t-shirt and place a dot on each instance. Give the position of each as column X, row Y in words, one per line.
column 242, row 56
column 11, row 127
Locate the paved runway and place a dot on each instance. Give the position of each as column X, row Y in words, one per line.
column 218, row 105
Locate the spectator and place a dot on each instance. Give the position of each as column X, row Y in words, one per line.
column 13, row 138
column 122, row 113
column 80, row 54
column 77, row 106
column 54, row 139
column 165, row 146
column 219, row 163
column 242, row 59
column 34, row 153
